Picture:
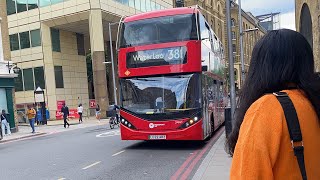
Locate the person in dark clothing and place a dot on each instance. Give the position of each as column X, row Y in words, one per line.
column 65, row 111
column 116, row 109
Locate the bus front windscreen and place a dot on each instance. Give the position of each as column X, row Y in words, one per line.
column 159, row 30
column 162, row 94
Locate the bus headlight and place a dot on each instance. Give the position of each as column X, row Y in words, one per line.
column 127, row 123
column 196, row 118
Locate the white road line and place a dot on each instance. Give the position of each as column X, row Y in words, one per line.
column 91, row 165
column 119, row 153
column 61, row 178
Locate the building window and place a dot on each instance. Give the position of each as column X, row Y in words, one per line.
column 234, row 35
column 80, row 44
column 143, row 6
column 56, row 1
column 137, row 4
column 35, row 38
column 24, row 40
column 157, row 6
column 179, row 3
column 39, row 77
column 148, row 5
column 153, row 5
column 234, row 58
column 131, row 3
column 55, row 40
column 32, row 4
column 58, row 74
column 233, row 22
column 14, row 42
column 18, row 82
column 28, row 79
column 21, row 6
column 234, row 48
column 43, row 3
column 11, row 7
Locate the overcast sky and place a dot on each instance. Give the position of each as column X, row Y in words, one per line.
column 285, row 7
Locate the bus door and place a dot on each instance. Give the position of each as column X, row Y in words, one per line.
column 221, row 103
column 206, row 96
column 215, row 104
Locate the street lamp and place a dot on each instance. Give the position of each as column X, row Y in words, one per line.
column 249, row 30
column 231, row 62
column 13, row 68
column 112, row 63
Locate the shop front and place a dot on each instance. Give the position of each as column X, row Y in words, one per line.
column 7, row 99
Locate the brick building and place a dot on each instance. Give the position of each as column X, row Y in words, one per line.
column 308, row 23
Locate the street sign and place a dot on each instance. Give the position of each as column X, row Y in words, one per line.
column 60, row 104
column 92, row 103
column 39, row 95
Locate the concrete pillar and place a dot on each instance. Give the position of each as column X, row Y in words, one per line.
column 1, row 47
column 50, row 89
column 4, row 31
column 98, row 57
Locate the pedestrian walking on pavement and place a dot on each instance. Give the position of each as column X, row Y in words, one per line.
column 4, row 123
column 98, row 113
column 80, row 111
column 31, row 113
column 280, row 92
column 65, row 111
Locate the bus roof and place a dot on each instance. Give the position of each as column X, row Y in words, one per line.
column 159, row 13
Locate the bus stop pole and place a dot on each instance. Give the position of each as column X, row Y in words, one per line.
column 231, row 63
column 112, row 63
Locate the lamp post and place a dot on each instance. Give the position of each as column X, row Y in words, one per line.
column 113, row 66
column 39, row 98
column 231, row 62
column 241, row 42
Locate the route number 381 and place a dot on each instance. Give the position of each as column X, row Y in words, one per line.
column 174, row 54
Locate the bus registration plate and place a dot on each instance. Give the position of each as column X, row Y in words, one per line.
column 157, row 137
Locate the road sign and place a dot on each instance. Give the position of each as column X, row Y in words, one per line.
column 92, row 103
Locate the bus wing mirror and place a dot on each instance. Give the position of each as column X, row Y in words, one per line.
column 204, row 68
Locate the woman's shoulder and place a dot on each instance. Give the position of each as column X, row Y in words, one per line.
column 269, row 102
column 266, row 103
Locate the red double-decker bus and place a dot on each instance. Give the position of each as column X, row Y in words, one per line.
column 171, row 71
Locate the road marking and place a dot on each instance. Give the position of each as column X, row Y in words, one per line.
column 109, row 134
column 213, row 140
column 61, row 178
column 91, row 165
column 119, row 153
column 186, row 168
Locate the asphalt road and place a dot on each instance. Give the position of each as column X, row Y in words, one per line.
column 98, row 153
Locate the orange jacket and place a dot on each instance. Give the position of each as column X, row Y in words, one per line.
column 31, row 113
column 264, row 151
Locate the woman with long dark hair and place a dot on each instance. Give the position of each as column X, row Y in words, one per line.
column 259, row 142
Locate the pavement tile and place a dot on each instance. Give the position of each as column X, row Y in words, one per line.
column 216, row 164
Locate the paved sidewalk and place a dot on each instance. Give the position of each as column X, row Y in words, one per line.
column 216, row 164
column 52, row 127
